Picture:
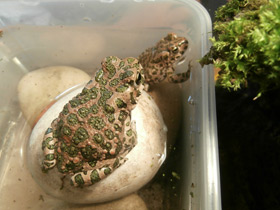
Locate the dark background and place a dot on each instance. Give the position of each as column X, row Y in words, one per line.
column 249, row 145
column 212, row 5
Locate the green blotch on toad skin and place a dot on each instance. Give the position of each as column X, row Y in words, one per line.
column 66, row 131
column 130, row 60
column 109, row 134
column 55, row 133
column 96, row 122
column 74, row 103
column 49, row 157
column 120, row 103
column 108, row 146
column 92, row 163
column 109, row 109
column 103, row 82
column 85, row 91
column 132, row 140
column 72, row 151
column 107, row 171
column 119, row 147
column 105, row 93
column 88, row 152
column 129, row 132
column 85, row 99
column 101, row 101
column 83, row 112
column 98, row 138
column 79, row 180
column 114, row 82
column 94, row 109
column 126, row 74
column 121, row 64
column 71, row 166
column 127, row 67
column 45, row 143
column 121, row 88
column 63, row 147
column 65, row 110
column 117, row 127
column 116, row 163
column 137, row 66
column 72, row 119
column 132, row 99
column 80, row 135
column 60, row 124
column 94, row 91
column 127, row 146
column 111, row 118
column 99, row 75
column 111, row 69
column 122, row 116
column 94, row 176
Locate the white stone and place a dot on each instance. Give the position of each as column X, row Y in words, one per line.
column 143, row 162
column 38, row 88
column 130, row 202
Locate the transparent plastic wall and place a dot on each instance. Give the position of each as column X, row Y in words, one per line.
column 80, row 33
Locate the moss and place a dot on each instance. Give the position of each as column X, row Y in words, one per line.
column 246, row 45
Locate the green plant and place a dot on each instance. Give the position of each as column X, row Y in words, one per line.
column 246, row 45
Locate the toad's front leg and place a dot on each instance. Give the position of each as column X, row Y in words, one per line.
column 178, row 78
column 48, row 147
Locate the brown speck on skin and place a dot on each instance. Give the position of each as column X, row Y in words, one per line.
column 41, row 198
column 19, row 179
column 1, row 32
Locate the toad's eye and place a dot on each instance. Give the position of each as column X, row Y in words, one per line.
column 138, row 79
column 175, row 49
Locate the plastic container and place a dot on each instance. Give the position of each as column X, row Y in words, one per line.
column 79, row 34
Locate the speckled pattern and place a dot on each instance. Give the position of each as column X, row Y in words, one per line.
column 93, row 133
column 158, row 61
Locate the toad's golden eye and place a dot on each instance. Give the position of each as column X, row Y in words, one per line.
column 175, row 49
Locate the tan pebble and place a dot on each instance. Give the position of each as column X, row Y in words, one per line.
column 168, row 98
column 130, row 202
